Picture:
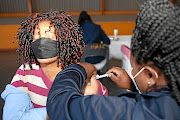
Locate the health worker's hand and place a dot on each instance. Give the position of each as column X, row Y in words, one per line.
column 121, row 78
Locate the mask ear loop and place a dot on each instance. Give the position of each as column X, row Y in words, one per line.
column 156, row 74
column 137, row 75
column 134, row 80
column 139, row 72
column 142, row 70
column 136, row 85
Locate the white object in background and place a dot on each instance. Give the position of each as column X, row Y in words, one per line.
column 115, row 33
column 115, row 46
column 125, row 50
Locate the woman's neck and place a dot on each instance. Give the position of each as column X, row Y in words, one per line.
column 51, row 70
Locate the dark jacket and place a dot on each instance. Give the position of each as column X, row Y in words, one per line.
column 66, row 102
column 93, row 33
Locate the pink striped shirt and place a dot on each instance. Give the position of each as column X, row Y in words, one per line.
column 35, row 83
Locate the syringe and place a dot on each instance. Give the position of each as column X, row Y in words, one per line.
column 101, row 76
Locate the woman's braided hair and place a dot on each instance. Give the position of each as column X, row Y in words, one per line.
column 68, row 34
column 156, row 38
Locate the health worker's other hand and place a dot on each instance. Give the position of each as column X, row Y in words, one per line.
column 90, row 70
column 120, row 77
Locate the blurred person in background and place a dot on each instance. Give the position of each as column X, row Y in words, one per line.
column 92, row 33
column 48, row 42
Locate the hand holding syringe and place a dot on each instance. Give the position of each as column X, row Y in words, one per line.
column 100, row 76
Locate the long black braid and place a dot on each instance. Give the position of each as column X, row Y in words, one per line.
column 68, row 34
column 157, row 38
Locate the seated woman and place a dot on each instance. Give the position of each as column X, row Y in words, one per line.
column 48, row 43
column 92, row 33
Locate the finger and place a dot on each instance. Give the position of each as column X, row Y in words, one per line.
column 114, row 73
column 93, row 80
column 95, row 72
column 90, row 80
column 90, row 69
column 110, row 71
column 113, row 70
column 114, row 77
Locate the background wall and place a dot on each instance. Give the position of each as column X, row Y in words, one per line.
column 109, row 14
column 7, row 40
column 13, row 6
column 21, row 6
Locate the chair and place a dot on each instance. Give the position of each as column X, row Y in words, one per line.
column 93, row 50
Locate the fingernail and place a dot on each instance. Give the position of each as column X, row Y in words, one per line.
column 89, row 84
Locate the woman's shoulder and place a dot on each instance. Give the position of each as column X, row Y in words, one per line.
column 23, row 74
column 26, row 67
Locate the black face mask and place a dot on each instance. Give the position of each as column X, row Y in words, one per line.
column 44, row 48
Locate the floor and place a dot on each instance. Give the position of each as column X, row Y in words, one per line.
column 8, row 67
column 8, row 63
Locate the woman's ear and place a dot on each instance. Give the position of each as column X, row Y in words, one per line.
column 152, row 75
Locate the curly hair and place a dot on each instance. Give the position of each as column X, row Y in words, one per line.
column 68, row 34
column 156, row 38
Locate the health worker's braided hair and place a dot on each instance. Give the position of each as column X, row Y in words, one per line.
column 156, row 38
column 68, row 34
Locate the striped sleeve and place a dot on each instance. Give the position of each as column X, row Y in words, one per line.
column 20, row 79
column 32, row 83
column 102, row 90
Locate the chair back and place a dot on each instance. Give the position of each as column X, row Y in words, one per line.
column 94, row 49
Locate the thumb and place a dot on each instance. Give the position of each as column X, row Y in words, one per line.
column 114, row 77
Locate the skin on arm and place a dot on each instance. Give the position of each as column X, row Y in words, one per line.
column 91, row 73
column 47, row 118
column 91, row 89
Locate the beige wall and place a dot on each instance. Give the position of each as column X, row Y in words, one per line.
column 124, row 28
column 7, row 32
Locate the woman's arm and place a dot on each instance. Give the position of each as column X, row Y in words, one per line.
column 18, row 106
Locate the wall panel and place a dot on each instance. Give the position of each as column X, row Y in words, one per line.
column 122, row 5
column 67, row 5
column 13, row 6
